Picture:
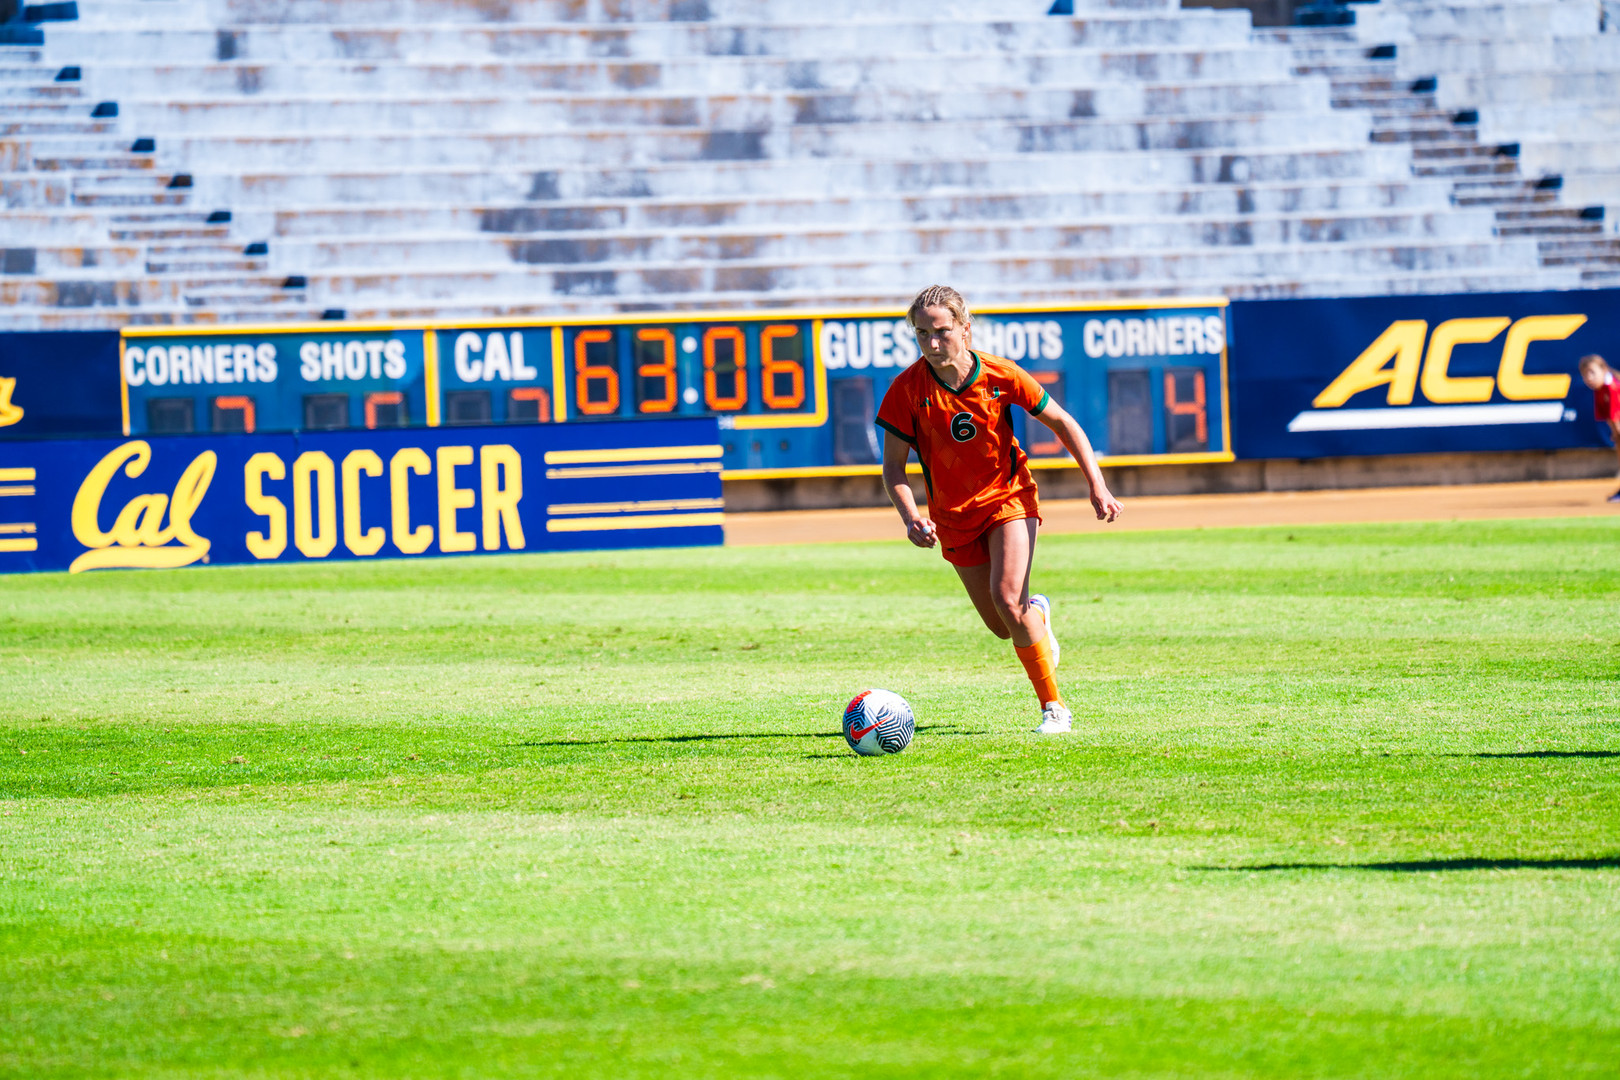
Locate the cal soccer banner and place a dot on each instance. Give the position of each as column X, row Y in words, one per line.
column 172, row 501
column 1418, row 374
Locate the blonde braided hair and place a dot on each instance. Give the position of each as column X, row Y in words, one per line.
column 940, row 296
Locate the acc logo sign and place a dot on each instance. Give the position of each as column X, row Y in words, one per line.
column 1397, row 359
column 139, row 538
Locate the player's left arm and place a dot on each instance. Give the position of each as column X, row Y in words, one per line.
column 1074, row 440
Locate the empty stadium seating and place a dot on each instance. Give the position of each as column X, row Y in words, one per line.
column 1514, row 101
column 231, row 160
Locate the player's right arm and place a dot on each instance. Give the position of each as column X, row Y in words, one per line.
column 919, row 530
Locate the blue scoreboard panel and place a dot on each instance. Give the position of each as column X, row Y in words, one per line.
column 795, row 392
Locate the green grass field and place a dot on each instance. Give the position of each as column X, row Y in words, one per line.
column 1340, row 802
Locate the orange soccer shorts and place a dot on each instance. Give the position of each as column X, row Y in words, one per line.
column 972, row 547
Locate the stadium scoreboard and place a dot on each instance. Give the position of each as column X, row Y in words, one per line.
column 795, row 392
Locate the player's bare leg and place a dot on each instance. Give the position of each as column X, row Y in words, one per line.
column 999, row 590
column 976, row 579
column 1012, row 552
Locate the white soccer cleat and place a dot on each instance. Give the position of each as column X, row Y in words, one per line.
column 1040, row 602
column 1055, row 719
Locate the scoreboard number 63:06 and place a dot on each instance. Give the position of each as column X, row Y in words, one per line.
column 729, row 358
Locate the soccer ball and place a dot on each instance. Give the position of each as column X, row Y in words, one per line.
column 878, row 722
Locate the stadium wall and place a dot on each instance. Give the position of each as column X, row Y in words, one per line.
column 1266, row 395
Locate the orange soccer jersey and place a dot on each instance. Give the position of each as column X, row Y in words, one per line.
column 971, row 462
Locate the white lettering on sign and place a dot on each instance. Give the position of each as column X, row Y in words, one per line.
column 501, row 361
column 334, row 361
column 1172, row 335
column 1032, row 340
column 174, row 365
column 864, row 343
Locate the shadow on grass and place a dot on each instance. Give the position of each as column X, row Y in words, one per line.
column 1544, row 754
column 941, row 729
column 1425, row 866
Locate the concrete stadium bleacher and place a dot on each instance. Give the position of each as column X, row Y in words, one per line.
column 1514, row 101
column 262, row 160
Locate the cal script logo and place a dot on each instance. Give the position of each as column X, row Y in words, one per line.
column 139, row 537
column 1397, row 359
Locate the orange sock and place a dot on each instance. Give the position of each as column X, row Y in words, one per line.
column 1037, row 661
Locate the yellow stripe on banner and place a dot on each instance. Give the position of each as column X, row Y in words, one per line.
column 24, row 489
column 281, row 328
column 19, row 545
column 674, row 469
column 559, row 389
column 636, row 507
column 1118, row 461
column 17, row 474
column 21, row 527
column 663, row 318
column 123, row 388
column 639, row 521
column 630, row 453
column 912, row 468
column 430, row 375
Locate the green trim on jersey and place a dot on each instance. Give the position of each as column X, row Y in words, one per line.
column 1046, row 399
column 977, row 364
column 896, row 432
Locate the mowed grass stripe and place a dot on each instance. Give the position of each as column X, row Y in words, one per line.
column 1343, row 800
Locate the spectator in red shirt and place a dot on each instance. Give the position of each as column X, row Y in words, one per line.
column 1601, row 379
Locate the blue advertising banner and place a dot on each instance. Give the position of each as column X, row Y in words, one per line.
column 1417, row 374
column 171, row 501
column 59, row 384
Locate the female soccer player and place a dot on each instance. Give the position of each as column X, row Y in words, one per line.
column 952, row 409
